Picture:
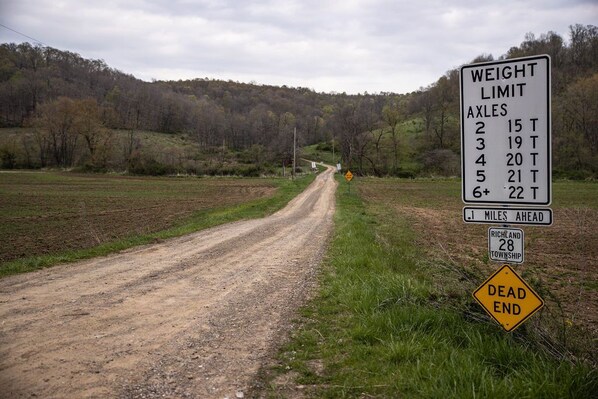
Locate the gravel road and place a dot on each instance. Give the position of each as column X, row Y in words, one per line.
column 194, row 316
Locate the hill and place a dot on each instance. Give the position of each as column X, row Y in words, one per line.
column 72, row 102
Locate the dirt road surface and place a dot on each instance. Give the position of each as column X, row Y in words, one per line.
column 190, row 317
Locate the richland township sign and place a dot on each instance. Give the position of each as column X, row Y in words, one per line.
column 506, row 244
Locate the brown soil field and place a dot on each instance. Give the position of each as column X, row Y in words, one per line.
column 44, row 213
column 562, row 259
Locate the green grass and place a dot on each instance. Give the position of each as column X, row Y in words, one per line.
column 312, row 153
column 382, row 326
column 64, row 191
column 568, row 193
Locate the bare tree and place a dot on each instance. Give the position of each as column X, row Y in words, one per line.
column 391, row 115
column 88, row 124
column 56, row 120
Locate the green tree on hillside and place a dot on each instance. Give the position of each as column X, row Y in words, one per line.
column 576, row 126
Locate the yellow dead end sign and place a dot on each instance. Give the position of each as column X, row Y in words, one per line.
column 507, row 298
column 349, row 175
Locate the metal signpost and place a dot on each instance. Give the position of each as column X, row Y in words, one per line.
column 506, row 163
column 349, row 177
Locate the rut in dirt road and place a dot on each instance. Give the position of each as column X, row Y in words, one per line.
column 190, row 317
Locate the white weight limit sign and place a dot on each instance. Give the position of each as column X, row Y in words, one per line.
column 505, row 132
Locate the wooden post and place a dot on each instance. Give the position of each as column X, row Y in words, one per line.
column 294, row 150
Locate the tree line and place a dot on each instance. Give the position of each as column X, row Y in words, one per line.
column 74, row 105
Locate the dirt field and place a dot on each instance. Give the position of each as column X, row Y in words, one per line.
column 190, row 317
column 564, row 256
column 44, row 213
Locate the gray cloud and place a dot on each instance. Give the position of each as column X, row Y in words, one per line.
column 350, row 45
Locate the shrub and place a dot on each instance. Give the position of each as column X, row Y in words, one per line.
column 575, row 174
column 326, row 146
column 442, row 161
column 406, row 174
column 8, row 158
column 150, row 167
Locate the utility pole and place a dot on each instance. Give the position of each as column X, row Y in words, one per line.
column 333, row 159
column 294, row 151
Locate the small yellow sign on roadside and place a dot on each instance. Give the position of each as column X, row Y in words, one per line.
column 349, row 175
column 507, row 298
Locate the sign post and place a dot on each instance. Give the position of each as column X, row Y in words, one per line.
column 349, row 177
column 506, row 161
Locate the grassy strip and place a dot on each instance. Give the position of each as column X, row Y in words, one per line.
column 287, row 189
column 379, row 328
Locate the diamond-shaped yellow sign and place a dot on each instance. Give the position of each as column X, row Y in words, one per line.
column 507, row 298
column 348, row 175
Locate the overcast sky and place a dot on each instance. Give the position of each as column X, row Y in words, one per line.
column 348, row 46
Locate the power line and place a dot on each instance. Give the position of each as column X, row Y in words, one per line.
column 22, row 34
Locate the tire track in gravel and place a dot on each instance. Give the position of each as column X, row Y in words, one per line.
column 194, row 316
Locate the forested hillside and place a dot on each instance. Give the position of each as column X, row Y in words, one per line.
column 58, row 109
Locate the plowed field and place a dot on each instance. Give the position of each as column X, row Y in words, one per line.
column 44, row 213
